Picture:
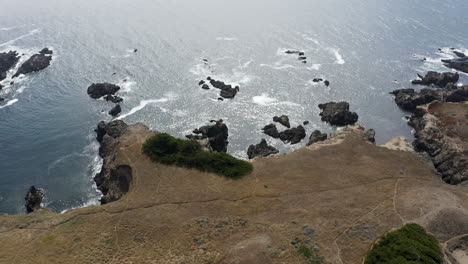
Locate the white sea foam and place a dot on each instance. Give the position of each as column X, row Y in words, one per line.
column 142, row 105
column 338, row 57
column 279, row 67
column 10, row 102
column 227, row 38
column 127, row 85
column 315, row 67
column 30, row 33
column 264, row 99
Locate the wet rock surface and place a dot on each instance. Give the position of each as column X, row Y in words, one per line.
column 460, row 64
column 227, row 90
column 283, row 120
column 7, row 61
column 409, row 99
column 115, row 110
column 293, row 135
column 338, row 114
column 300, row 55
column 217, row 135
column 98, row 90
column 37, row 62
column 437, row 79
column 261, row 149
column 33, row 199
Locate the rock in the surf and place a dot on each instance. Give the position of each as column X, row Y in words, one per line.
column 317, row 136
column 115, row 110
column 437, row 79
column 33, row 199
column 7, row 61
column 37, row 62
column 460, row 64
column 98, row 90
column 284, row 120
column 338, row 114
column 217, row 134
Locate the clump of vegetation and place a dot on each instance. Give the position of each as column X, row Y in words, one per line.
column 188, row 153
column 410, row 245
column 310, row 255
column 47, row 238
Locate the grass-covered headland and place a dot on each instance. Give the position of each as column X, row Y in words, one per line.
column 408, row 245
column 188, row 153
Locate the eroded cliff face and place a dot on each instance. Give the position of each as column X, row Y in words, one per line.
column 336, row 197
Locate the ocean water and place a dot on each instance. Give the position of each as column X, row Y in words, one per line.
column 364, row 48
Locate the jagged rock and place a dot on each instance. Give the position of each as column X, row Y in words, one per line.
column 7, row 61
column 217, row 135
column 437, row 79
column 370, row 135
column 305, row 123
column 317, row 136
column 293, row 135
column 459, row 54
column 261, row 150
column 205, row 86
column 327, row 83
column 460, row 64
column 113, row 182
column 271, row 130
column 113, row 98
column 408, row 99
column 33, row 199
column 302, row 58
column 37, row 62
column 201, row 82
column 284, row 120
column 317, row 80
column 338, row 114
column 115, row 111
column 98, row 90
column 227, row 91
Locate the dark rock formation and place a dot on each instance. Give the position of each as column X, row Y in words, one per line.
column 409, row 99
column 293, row 135
column 300, row 55
column 317, row 136
column 327, row 83
column 460, row 64
column 437, row 79
column 201, row 82
column 33, row 199
column 305, row 123
column 205, row 86
column 2, row 99
column 317, row 80
column 115, row 111
column 271, row 130
column 217, row 134
column 284, row 120
column 37, row 62
column 261, row 150
column 338, row 114
column 7, row 61
column 113, row 98
column 459, row 54
column 113, row 182
column 98, row 90
column 227, row 91
column 445, row 148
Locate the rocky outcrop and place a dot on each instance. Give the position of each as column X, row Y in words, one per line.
column 293, row 135
column 460, row 64
column 284, row 120
column 7, row 61
column 261, row 150
column 98, row 90
column 112, row 181
column 115, row 110
column 338, row 114
column 440, row 132
column 36, row 63
column 317, row 136
column 113, row 98
column 300, row 55
column 409, row 99
column 33, row 199
column 437, row 79
column 217, row 134
column 227, row 91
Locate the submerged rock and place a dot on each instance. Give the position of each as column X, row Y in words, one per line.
column 338, row 114
column 37, row 62
column 98, row 90
column 115, row 111
column 261, row 150
column 7, row 61
column 217, row 135
column 33, row 199
column 284, row 120
column 317, row 136
column 437, row 79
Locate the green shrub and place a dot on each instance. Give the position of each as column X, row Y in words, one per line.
column 408, row 245
column 187, row 153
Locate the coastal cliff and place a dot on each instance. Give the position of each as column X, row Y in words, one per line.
column 335, row 197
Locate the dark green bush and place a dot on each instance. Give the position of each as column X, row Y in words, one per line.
column 408, row 245
column 187, row 153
